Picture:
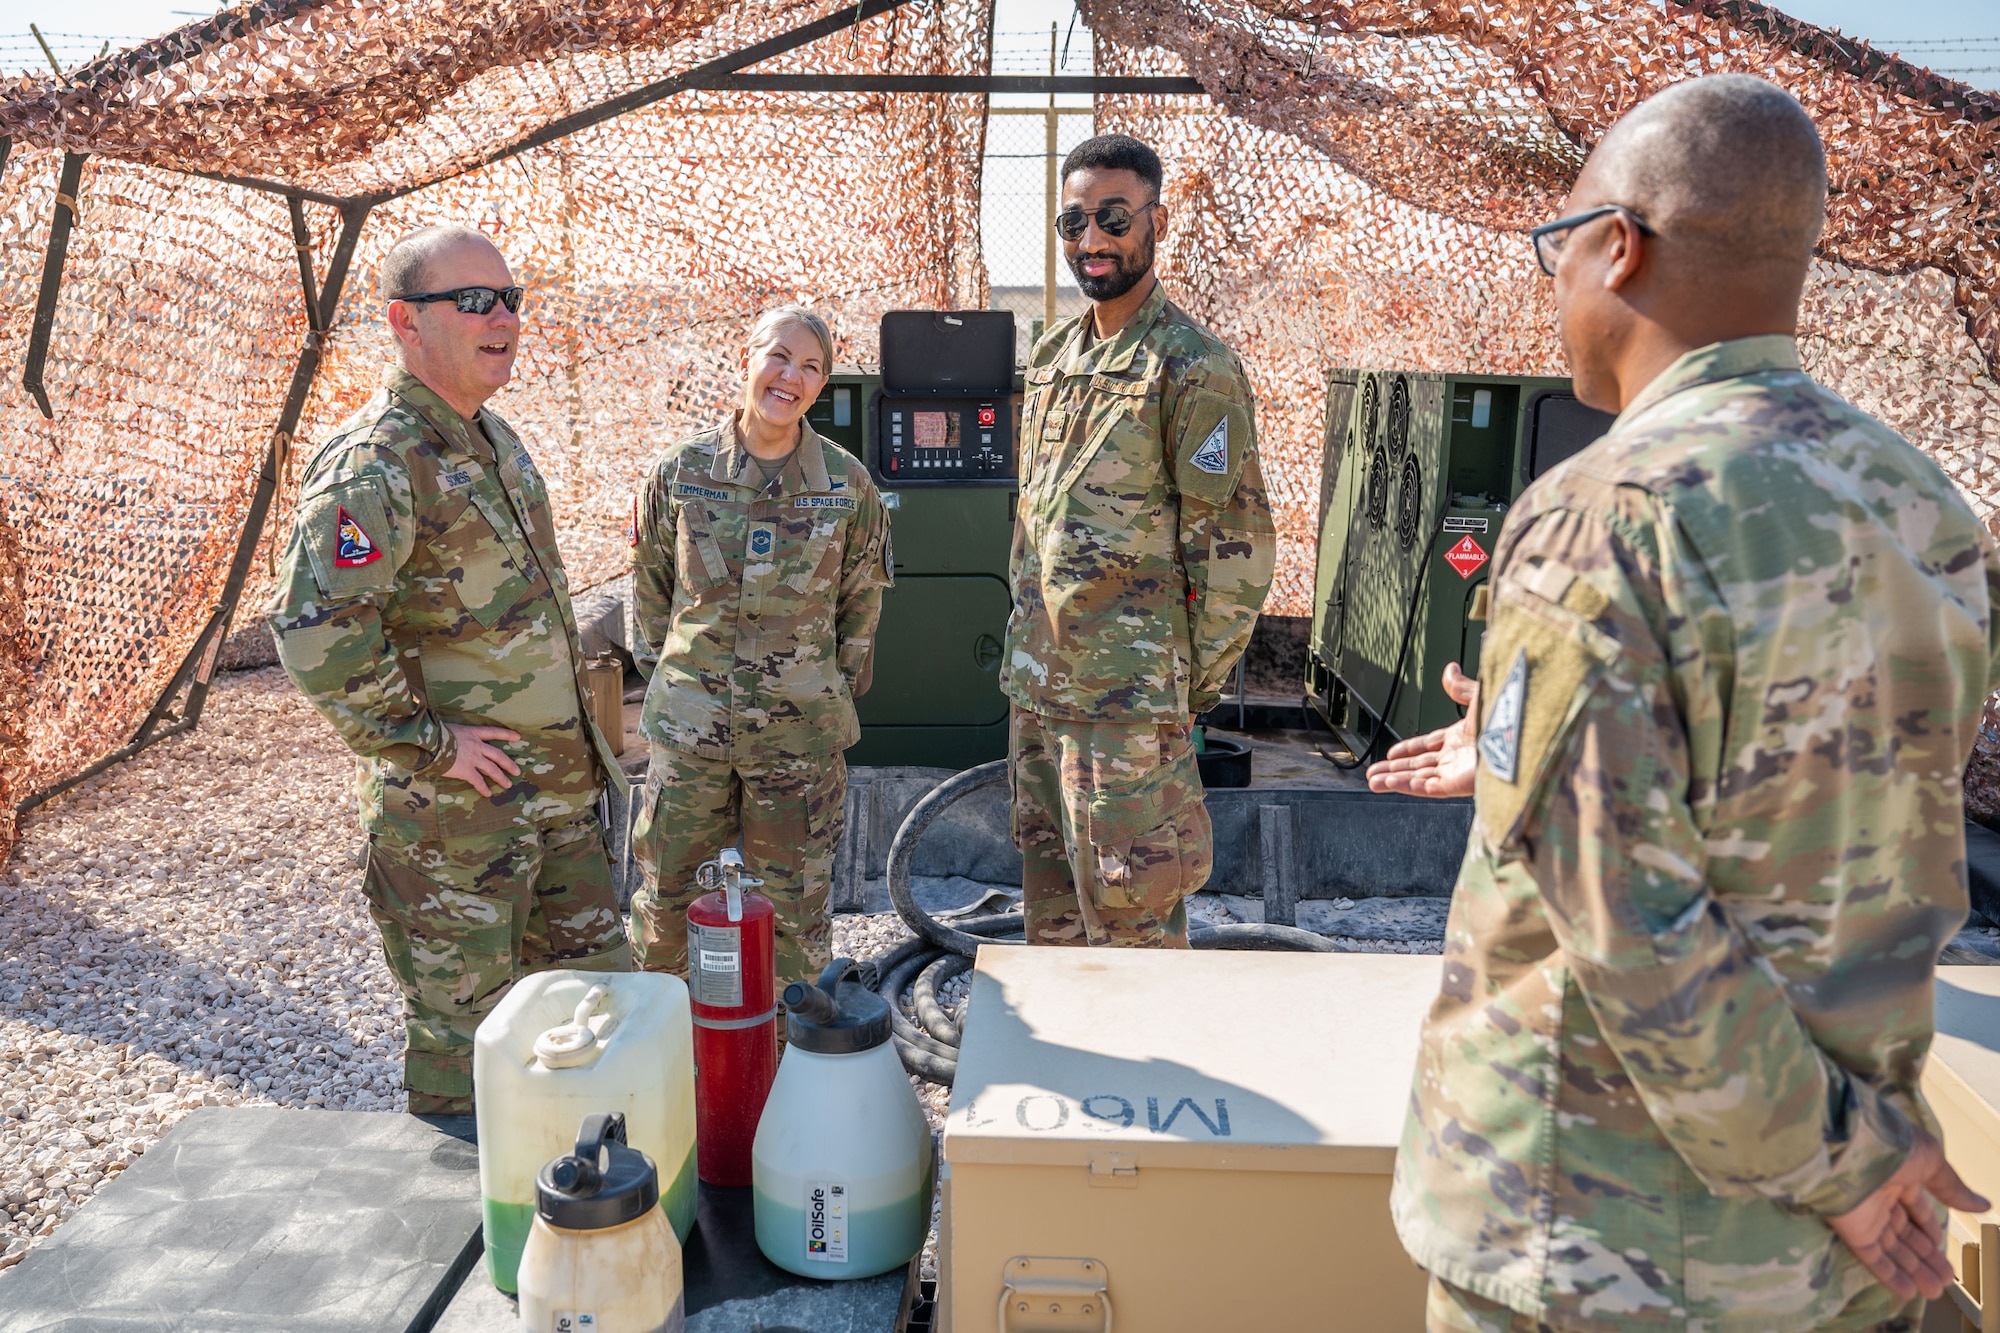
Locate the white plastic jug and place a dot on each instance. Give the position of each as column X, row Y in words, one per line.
column 600, row 1256
column 841, row 1167
column 560, row 1046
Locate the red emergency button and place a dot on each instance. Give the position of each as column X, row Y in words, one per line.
column 892, row 462
column 986, row 416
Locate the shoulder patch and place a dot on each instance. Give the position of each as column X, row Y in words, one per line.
column 632, row 536
column 1500, row 741
column 352, row 546
column 1213, row 456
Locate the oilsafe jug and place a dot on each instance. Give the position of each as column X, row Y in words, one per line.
column 560, row 1045
column 842, row 1162
column 732, row 991
column 601, row 1257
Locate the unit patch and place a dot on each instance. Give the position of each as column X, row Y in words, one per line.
column 823, row 502
column 704, row 492
column 1213, row 456
column 1500, row 742
column 633, row 535
column 351, row 546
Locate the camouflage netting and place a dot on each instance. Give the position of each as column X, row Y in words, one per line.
column 1355, row 193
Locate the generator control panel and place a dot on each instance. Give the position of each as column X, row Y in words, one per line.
column 947, row 440
column 946, row 412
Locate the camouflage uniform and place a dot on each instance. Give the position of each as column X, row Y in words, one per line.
column 1141, row 557
column 1737, row 659
column 422, row 586
column 756, row 608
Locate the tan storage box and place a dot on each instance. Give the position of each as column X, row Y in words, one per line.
column 1962, row 1085
column 1204, row 1140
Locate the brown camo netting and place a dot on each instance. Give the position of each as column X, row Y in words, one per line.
column 1354, row 193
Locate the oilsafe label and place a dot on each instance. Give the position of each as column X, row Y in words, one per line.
column 826, row 1221
column 715, row 965
column 1466, row 557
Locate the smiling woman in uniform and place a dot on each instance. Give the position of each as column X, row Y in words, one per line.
column 759, row 555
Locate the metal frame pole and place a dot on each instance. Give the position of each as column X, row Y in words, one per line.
column 197, row 667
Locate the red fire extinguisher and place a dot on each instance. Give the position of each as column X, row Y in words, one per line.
column 731, row 984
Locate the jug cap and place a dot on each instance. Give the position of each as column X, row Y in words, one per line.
column 602, row 1184
column 839, row 1016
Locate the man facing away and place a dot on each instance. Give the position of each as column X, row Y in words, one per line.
column 421, row 605
column 1141, row 557
column 1736, row 663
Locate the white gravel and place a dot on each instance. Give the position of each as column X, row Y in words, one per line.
column 186, row 929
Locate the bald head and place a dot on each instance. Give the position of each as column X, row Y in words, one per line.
column 1720, row 188
column 411, row 262
column 1728, row 169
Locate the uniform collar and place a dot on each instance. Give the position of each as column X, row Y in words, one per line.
column 479, row 436
column 804, row 474
column 1717, row 361
column 1113, row 354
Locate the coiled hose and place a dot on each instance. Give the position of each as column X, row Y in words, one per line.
column 929, row 1046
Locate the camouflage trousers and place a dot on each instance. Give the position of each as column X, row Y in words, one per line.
column 788, row 812
column 1450, row 1309
column 463, row 917
column 1112, row 830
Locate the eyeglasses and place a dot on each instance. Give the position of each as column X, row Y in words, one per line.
column 1112, row 220
column 472, row 300
column 1549, row 237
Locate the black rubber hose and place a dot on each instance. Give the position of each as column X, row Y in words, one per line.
column 903, row 850
column 923, row 997
column 1262, row 936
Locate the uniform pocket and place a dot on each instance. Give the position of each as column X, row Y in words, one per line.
column 489, row 571
column 1136, row 831
column 343, row 529
column 697, row 556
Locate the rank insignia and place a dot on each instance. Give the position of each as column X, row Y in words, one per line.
column 1500, row 742
column 1213, row 456
column 762, row 539
column 1054, row 423
column 352, row 547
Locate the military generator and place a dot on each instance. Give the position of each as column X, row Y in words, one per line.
column 1418, row 472
column 936, row 425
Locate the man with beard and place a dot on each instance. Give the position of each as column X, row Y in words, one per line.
column 1142, row 554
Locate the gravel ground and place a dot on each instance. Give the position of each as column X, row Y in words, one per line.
column 186, row 929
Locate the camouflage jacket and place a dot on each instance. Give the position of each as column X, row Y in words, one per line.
column 1736, row 664
column 756, row 605
column 1144, row 545
column 422, row 586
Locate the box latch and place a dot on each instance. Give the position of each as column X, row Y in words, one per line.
column 1114, row 1170
column 1055, row 1295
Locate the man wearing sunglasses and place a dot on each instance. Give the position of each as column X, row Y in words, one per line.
column 422, row 606
column 1737, row 660
column 1142, row 554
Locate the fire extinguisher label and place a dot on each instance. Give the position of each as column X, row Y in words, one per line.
column 715, row 965
column 826, row 1221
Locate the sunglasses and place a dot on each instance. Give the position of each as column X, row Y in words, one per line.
column 473, row 300
column 1549, row 237
column 1112, row 220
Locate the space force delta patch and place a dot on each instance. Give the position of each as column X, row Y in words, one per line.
column 1213, row 456
column 352, row 547
column 1500, row 742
